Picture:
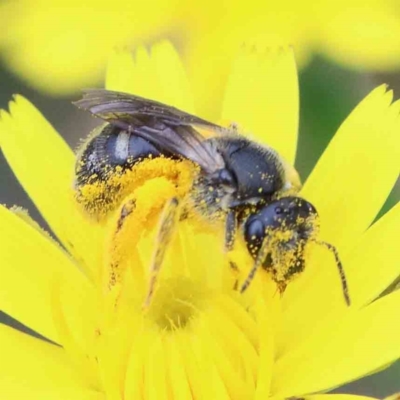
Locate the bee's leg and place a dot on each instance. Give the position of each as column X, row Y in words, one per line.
column 134, row 217
column 230, row 230
column 339, row 265
column 261, row 257
column 115, row 256
column 168, row 222
column 230, row 233
column 234, row 269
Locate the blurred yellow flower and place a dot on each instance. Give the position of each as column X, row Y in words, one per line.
column 62, row 46
column 200, row 338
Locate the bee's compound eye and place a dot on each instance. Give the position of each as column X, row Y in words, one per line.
column 255, row 230
column 254, row 235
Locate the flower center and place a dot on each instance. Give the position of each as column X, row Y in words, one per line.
column 176, row 303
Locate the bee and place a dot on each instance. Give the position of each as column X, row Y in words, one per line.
column 246, row 184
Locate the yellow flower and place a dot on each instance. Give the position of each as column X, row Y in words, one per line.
column 200, row 338
column 60, row 47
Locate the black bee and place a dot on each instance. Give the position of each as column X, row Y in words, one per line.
column 247, row 184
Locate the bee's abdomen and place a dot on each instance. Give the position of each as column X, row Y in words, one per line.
column 113, row 149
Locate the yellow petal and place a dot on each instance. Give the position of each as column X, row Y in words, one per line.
column 370, row 268
column 33, row 369
column 266, row 357
column 44, row 165
column 348, row 198
column 355, row 174
column 172, row 77
column 176, row 370
column 30, row 265
column 351, row 346
column 120, row 74
column 374, row 263
column 332, row 397
column 262, row 96
column 13, row 391
column 158, row 75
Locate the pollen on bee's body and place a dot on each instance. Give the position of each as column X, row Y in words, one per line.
column 101, row 196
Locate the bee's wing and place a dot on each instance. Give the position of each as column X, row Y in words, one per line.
column 170, row 128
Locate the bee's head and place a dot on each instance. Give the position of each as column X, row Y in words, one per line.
column 292, row 216
column 276, row 235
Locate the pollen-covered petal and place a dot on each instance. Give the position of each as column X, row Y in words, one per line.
column 30, row 265
column 341, row 349
column 262, row 96
column 44, row 165
column 157, row 74
column 355, row 174
column 34, row 369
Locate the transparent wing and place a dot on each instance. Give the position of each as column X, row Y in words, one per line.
column 172, row 129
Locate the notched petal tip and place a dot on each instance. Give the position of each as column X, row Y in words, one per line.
column 265, row 49
column 380, row 92
column 3, row 115
column 21, row 109
column 164, row 45
column 16, row 101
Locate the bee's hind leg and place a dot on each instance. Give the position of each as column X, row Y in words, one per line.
column 116, row 255
column 168, row 223
column 133, row 218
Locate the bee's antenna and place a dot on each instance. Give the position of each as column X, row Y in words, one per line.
column 339, row 264
column 261, row 256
